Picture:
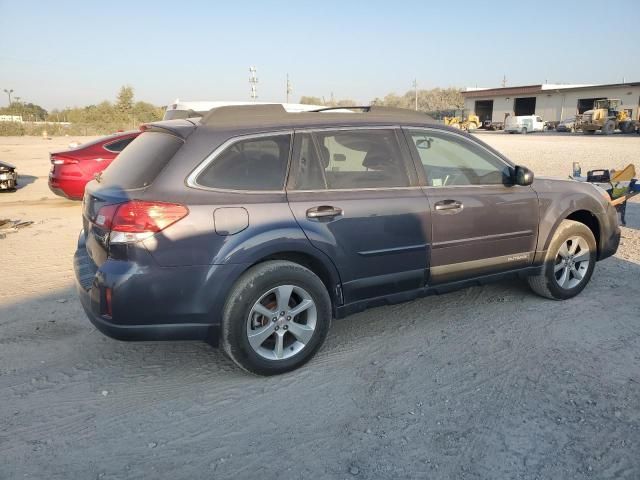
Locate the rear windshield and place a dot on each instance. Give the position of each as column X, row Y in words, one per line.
column 140, row 163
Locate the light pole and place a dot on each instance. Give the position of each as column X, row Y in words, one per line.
column 9, row 92
column 19, row 105
column 289, row 88
column 415, row 89
column 253, row 81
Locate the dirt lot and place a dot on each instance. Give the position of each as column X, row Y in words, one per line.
column 490, row 382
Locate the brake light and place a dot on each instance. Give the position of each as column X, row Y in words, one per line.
column 136, row 220
column 63, row 161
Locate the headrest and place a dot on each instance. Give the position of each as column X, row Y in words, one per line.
column 377, row 159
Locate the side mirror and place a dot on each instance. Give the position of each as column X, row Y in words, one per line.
column 424, row 143
column 523, row 176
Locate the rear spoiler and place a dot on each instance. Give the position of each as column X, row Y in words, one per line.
column 178, row 128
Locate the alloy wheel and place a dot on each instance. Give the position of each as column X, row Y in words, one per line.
column 282, row 322
column 572, row 262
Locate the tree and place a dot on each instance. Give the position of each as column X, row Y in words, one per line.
column 434, row 101
column 28, row 111
column 124, row 103
column 145, row 112
column 311, row 100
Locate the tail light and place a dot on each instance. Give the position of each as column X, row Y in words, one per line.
column 63, row 160
column 136, row 220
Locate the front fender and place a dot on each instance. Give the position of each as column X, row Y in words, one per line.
column 559, row 199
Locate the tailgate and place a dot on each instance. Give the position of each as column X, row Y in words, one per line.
column 96, row 238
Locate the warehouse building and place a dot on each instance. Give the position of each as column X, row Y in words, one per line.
column 551, row 102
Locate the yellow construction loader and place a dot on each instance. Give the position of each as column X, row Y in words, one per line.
column 606, row 116
column 462, row 121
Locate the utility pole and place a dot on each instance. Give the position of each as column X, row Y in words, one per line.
column 253, row 82
column 9, row 92
column 289, row 88
column 415, row 90
column 19, row 105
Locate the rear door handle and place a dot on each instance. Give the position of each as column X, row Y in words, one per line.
column 449, row 205
column 323, row 211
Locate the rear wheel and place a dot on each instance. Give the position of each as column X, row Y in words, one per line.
column 276, row 317
column 608, row 127
column 569, row 264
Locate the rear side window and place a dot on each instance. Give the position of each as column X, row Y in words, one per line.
column 119, row 145
column 251, row 164
column 349, row 159
column 141, row 162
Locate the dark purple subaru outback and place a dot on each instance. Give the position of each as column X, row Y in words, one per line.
column 253, row 227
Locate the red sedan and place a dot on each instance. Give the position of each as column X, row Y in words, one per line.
column 72, row 169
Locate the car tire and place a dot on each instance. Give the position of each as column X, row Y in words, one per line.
column 278, row 342
column 569, row 263
column 608, row 127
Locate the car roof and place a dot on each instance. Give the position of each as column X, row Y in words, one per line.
column 205, row 106
column 274, row 116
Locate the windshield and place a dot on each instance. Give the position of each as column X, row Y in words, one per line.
column 140, row 163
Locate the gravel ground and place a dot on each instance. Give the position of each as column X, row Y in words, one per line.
column 485, row 383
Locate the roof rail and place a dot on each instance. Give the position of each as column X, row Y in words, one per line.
column 377, row 109
column 364, row 108
column 251, row 114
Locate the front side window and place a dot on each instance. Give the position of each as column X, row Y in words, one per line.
column 258, row 163
column 349, row 159
column 449, row 160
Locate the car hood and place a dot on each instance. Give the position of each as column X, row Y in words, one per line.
column 6, row 166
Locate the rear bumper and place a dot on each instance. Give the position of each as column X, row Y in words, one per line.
column 172, row 303
column 71, row 189
column 145, row 332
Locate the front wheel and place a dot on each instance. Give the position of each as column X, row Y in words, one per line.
column 569, row 264
column 276, row 318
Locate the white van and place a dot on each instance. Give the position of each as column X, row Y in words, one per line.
column 524, row 124
column 180, row 109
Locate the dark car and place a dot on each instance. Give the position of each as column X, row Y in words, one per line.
column 72, row 169
column 254, row 228
column 567, row 125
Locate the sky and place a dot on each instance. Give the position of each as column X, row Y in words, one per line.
column 75, row 53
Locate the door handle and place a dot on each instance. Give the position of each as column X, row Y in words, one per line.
column 324, row 211
column 449, row 205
